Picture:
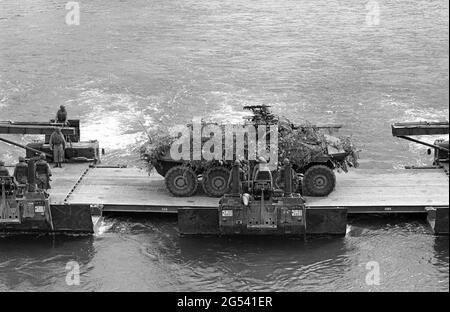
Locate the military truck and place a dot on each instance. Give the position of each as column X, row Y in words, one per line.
column 26, row 209
column 311, row 156
column 255, row 208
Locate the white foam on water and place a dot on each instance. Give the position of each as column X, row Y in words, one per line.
column 415, row 114
column 110, row 131
column 229, row 106
column 8, row 156
column 10, row 153
column 103, row 228
column 228, row 115
column 115, row 120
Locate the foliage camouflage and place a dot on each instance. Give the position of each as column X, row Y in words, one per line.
column 300, row 143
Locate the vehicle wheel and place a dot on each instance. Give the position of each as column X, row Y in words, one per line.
column 319, row 180
column 215, row 181
column 181, row 181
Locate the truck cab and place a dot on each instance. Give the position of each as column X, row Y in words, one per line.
column 262, row 182
column 26, row 209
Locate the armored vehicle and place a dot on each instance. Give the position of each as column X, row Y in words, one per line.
column 255, row 208
column 24, row 207
column 264, row 210
column 310, row 153
column 28, row 209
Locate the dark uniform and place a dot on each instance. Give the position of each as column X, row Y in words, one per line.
column 21, row 171
column 43, row 174
column 61, row 115
column 4, row 173
column 57, row 145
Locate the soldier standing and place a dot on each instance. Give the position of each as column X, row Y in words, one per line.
column 43, row 173
column 57, row 145
column 3, row 171
column 21, row 171
column 61, row 115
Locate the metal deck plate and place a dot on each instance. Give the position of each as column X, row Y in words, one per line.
column 395, row 190
column 360, row 190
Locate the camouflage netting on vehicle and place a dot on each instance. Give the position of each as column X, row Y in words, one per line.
column 301, row 145
column 306, row 142
column 345, row 143
column 158, row 148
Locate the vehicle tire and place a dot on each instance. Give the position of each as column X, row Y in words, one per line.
column 215, row 181
column 318, row 181
column 181, row 181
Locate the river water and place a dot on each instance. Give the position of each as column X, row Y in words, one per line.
column 364, row 64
